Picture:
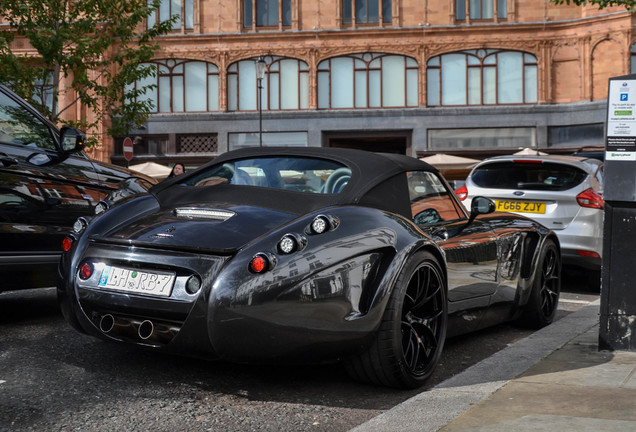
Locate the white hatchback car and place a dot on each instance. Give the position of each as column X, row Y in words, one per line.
column 564, row 193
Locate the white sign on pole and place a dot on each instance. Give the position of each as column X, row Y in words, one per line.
column 621, row 120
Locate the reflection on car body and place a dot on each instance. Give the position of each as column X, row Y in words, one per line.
column 46, row 183
column 564, row 193
column 310, row 255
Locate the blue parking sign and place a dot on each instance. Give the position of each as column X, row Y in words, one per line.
column 624, row 96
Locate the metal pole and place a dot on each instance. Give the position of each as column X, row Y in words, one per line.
column 260, row 113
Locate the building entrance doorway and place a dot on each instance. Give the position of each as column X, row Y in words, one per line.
column 385, row 142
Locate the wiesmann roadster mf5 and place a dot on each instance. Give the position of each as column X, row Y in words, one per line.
column 307, row 255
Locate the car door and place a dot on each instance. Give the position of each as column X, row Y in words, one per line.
column 42, row 190
column 471, row 249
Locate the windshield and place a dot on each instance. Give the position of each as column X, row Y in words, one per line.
column 300, row 174
column 533, row 176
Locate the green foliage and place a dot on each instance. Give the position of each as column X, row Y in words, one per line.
column 630, row 5
column 96, row 44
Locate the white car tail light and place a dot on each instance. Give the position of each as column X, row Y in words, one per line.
column 590, row 198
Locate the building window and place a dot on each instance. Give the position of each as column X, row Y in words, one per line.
column 369, row 80
column 482, row 77
column 44, row 93
column 270, row 139
column 459, row 139
column 366, row 11
column 183, row 9
column 577, row 135
column 285, row 85
column 182, row 86
column 480, row 9
column 146, row 145
column 268, row 13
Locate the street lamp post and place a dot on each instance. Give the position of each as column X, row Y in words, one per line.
column 260, row 74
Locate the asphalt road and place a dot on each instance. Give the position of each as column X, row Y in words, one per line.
column 55, row 379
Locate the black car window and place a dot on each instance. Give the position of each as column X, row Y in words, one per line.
column 431, row 201
column 531, row 175
column 20, row 126
column 300, row 174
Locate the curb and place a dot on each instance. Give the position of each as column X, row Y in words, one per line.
column 435, row 408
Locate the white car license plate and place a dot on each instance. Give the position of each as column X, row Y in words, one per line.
column 137, row 281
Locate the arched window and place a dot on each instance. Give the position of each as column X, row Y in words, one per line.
column 370, row 80
column 285, row 85
column 482, row 77
column 183, row 85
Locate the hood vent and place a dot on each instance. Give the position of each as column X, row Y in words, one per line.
column 203, row 213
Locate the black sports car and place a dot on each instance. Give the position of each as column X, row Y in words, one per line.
column 308, row 255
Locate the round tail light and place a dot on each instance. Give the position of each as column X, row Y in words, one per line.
column 259, row 264
column 85, row 271
column 319, row 225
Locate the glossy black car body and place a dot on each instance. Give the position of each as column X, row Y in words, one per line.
column 308, row 255
column 46, row 183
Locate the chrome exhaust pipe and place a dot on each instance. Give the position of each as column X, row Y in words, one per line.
column 146, row 328
column 107, row 323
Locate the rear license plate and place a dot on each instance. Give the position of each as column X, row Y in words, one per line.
column 137, row 281
column 520, row 206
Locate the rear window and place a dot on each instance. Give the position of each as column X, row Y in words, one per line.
column 300, row 174
column 532, row 176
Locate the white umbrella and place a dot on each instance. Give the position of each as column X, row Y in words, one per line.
column 446, row 161
column 152, row 169
column 530, row 151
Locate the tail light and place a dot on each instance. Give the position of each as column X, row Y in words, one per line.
column 590, row 198
column 260, row 263
column 462, row 193
column 67, row 244
column 588, row 254
column 86, row 271
column 528, row 161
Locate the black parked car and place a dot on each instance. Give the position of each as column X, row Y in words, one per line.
column 46, row 183
column 308, row 254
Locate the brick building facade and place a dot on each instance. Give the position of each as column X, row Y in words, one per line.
column 470, row 77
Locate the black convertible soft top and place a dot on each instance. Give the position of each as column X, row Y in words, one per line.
column 375, row 182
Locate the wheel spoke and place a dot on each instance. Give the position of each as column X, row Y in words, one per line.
column 549, row 285
column 418, row 346
column 423, row 319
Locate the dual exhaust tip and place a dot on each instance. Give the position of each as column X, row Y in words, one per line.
column 108, row 324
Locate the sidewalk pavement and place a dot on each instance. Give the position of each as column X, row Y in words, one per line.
column 554, row 380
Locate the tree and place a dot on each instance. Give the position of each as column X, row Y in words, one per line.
column 95, row 45
column 630, row 5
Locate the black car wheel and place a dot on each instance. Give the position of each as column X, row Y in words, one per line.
column 544, row 298
column 411, row 337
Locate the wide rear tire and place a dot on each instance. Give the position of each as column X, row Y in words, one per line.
column 544, row 298
column 409, row 343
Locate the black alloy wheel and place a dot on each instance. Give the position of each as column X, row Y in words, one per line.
column 544, row 298
column 411, row 337
column 423, row 320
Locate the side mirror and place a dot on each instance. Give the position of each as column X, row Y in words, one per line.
column 481, row 205
column 73, row 141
